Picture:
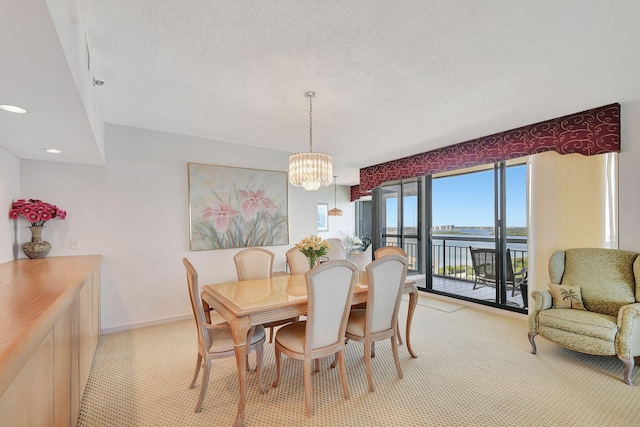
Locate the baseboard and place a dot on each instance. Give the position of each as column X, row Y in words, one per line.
column 475, row 306
column 145, row 324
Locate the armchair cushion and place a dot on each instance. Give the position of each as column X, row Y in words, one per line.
column 565, row 296
column 581, row 322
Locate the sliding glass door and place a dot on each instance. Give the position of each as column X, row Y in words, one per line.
column 397, row 221
column 443, row 222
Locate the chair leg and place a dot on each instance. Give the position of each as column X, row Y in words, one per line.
column 396, row 359
column 270, row 335
column 307, row 387
column 195, row 376
column 628, row 368
column 373, row 349
column 343, row 373
column 205, row 384
column 259, row 359
column 277, row 380
column 398, row 334
column 532, row 336
column 317, row 366
column 368, row 349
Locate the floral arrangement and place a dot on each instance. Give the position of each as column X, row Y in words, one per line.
column 35, row 211
column 313, row 247
column 355, row 242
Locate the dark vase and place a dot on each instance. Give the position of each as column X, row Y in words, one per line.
column 36, row 248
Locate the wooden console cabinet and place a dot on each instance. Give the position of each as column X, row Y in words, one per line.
column 49, row 327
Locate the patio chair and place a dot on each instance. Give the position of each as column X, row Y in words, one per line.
column 486, row 272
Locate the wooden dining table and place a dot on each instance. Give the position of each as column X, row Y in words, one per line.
column 248, row 303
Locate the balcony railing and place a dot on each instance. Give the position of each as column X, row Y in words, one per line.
column 450, row 256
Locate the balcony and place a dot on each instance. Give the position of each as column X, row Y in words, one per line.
column 451, row 265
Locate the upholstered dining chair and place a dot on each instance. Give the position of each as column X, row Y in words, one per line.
column 296, row 261
column 382, row 252
column 214, row 340
column 389, row 250
column 254, row 263
column 329, row 292
column 337, row 250
column 257, row 263
column 385, row 278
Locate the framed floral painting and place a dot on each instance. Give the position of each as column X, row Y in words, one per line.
column 236, row 207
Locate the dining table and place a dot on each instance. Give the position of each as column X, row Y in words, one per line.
column 248, row 303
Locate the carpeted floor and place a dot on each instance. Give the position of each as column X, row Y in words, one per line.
column 474, row 369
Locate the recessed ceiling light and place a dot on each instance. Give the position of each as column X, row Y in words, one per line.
column 12, row 108
column 53, row 151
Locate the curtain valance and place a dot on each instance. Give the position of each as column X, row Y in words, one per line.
column 590, row 132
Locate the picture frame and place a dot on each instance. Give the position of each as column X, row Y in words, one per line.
column 323, row 217
column 232, row 207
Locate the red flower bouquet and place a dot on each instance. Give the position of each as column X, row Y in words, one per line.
column 36, row 212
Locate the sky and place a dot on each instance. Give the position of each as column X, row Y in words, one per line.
column 468, row 200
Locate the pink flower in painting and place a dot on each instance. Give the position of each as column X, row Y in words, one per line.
column 252, row 201
column 222, row 214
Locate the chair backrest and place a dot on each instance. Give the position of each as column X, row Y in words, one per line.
column 337, row 250
column 484, row 263
column 329, row 292
column 296, row 261
column 254, row 263
column 386, row 277
column 196, row 303
column 389, row 250
column 362, row 259
column 485, row 267
column 608, row 278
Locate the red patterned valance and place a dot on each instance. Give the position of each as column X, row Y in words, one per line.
column 356, row 194
column 590, row 132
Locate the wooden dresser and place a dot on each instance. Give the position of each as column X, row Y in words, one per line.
column 49, row 327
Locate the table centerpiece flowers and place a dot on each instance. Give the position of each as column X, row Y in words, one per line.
column 313, row 247
column 37, row 213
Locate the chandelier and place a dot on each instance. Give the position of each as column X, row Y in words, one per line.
column 335, row 211
column 310, row 170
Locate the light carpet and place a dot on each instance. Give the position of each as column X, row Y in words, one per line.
column 473, row 368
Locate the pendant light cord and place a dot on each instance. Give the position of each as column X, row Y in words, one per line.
column 310, row 126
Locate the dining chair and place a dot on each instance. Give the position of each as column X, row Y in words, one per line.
column 296, row 261
column 385, row 278
column 257, row 263
column 385, row 251
column 214, row 340
column 389, row 250
column 329, row 292
column 254, row 263
column 337, row 250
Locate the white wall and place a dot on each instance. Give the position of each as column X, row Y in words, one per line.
column 340, row 197
column 629, row 178
column 9, row 192
column 134, row 211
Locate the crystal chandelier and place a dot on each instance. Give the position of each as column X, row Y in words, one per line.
column 335, row 211
column 310, row 170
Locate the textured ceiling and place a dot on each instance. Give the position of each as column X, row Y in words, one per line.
column 393, row 77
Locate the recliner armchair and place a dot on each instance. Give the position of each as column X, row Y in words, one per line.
column 609, row 281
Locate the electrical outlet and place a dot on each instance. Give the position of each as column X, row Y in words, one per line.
column 74, row 243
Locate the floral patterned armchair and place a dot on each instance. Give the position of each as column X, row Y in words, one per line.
column 600, row 289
